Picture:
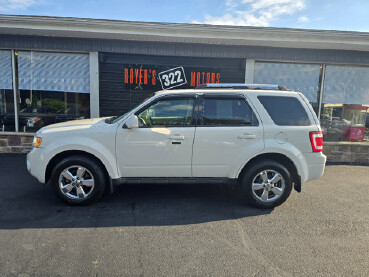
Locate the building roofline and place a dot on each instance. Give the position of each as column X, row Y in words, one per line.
column 183, row 32
column 122, row 23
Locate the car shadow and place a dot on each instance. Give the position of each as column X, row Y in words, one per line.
column 25, row 203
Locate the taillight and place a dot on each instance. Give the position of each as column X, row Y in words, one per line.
column 316, row 139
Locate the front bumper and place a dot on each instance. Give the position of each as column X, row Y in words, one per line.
column 35, row 164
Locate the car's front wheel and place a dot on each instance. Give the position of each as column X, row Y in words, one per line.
column 266, row 184
column 78, row 180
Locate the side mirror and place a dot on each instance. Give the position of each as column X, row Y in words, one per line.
column 131, row 122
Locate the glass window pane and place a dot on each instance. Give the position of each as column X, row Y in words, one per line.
column 7, row 118
column 53, row 71
column 299, row 77
column 168, row 112
column 345, row 122
column 345, row 112
column 40, row 108
column 53, row 87
column 346, row 85
column 6, row 69
column 227, row 112
column 285, row 111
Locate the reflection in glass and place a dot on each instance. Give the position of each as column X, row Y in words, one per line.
column 344, row 122
column 7, row 118
column 303, row 78
column 346, row 85
column 228, row 112
column 344, row 115
column 42, row 108
column 168, row 112
column 53, row 87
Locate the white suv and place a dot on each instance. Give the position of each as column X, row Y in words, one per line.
column 265, row 138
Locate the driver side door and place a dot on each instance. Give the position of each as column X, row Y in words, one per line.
column 162, row 145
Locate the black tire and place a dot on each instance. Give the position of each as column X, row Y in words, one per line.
column 94, row 169
column 253, row 173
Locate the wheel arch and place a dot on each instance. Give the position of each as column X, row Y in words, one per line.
column 277, row 157
column 61, row 155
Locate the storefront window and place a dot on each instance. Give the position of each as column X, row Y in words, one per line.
column 345, row 122
column 42, row 108
column 345, row 111
column 53, row 87
column 299, row 77
column 7, row 119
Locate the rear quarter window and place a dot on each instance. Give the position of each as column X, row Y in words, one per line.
column 285, row 111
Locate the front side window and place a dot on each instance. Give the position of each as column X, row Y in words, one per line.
column 168, row 112
column 225, row 111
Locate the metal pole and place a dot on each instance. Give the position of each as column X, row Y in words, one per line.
column 321, row 93
column 15, row 91
column 94, row 85
column 249, row 74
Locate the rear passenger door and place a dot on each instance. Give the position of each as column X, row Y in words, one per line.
column 228, row 133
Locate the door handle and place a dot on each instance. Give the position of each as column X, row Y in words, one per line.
column 177, row 137
column 247, row 136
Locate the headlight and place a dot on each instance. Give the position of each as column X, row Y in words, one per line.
column 37, row 141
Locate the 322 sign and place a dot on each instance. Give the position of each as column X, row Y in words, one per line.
column 172, row 78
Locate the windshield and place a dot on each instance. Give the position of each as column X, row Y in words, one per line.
column 115, row 119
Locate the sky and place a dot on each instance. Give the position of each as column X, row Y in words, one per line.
column 349, row 15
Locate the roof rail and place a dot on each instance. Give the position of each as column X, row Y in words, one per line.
column 243, row 86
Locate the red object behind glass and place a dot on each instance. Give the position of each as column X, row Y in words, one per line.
column 352, row 132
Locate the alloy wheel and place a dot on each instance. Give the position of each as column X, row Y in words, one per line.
column 76, row 182
column 268, row 185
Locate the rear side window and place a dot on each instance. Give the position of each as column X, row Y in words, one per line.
column 225, row 111
column 285, row 111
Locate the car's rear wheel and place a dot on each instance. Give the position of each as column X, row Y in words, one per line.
column 266, row 184
column 78, row 180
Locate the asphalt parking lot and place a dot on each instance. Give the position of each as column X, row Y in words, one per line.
column 185, row 230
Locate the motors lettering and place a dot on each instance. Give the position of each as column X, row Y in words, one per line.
column 198, row 78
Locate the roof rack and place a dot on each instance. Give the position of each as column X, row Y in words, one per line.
column 243, row 86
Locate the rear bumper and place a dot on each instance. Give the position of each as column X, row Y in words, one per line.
column 315, row 171
column 313, row 166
